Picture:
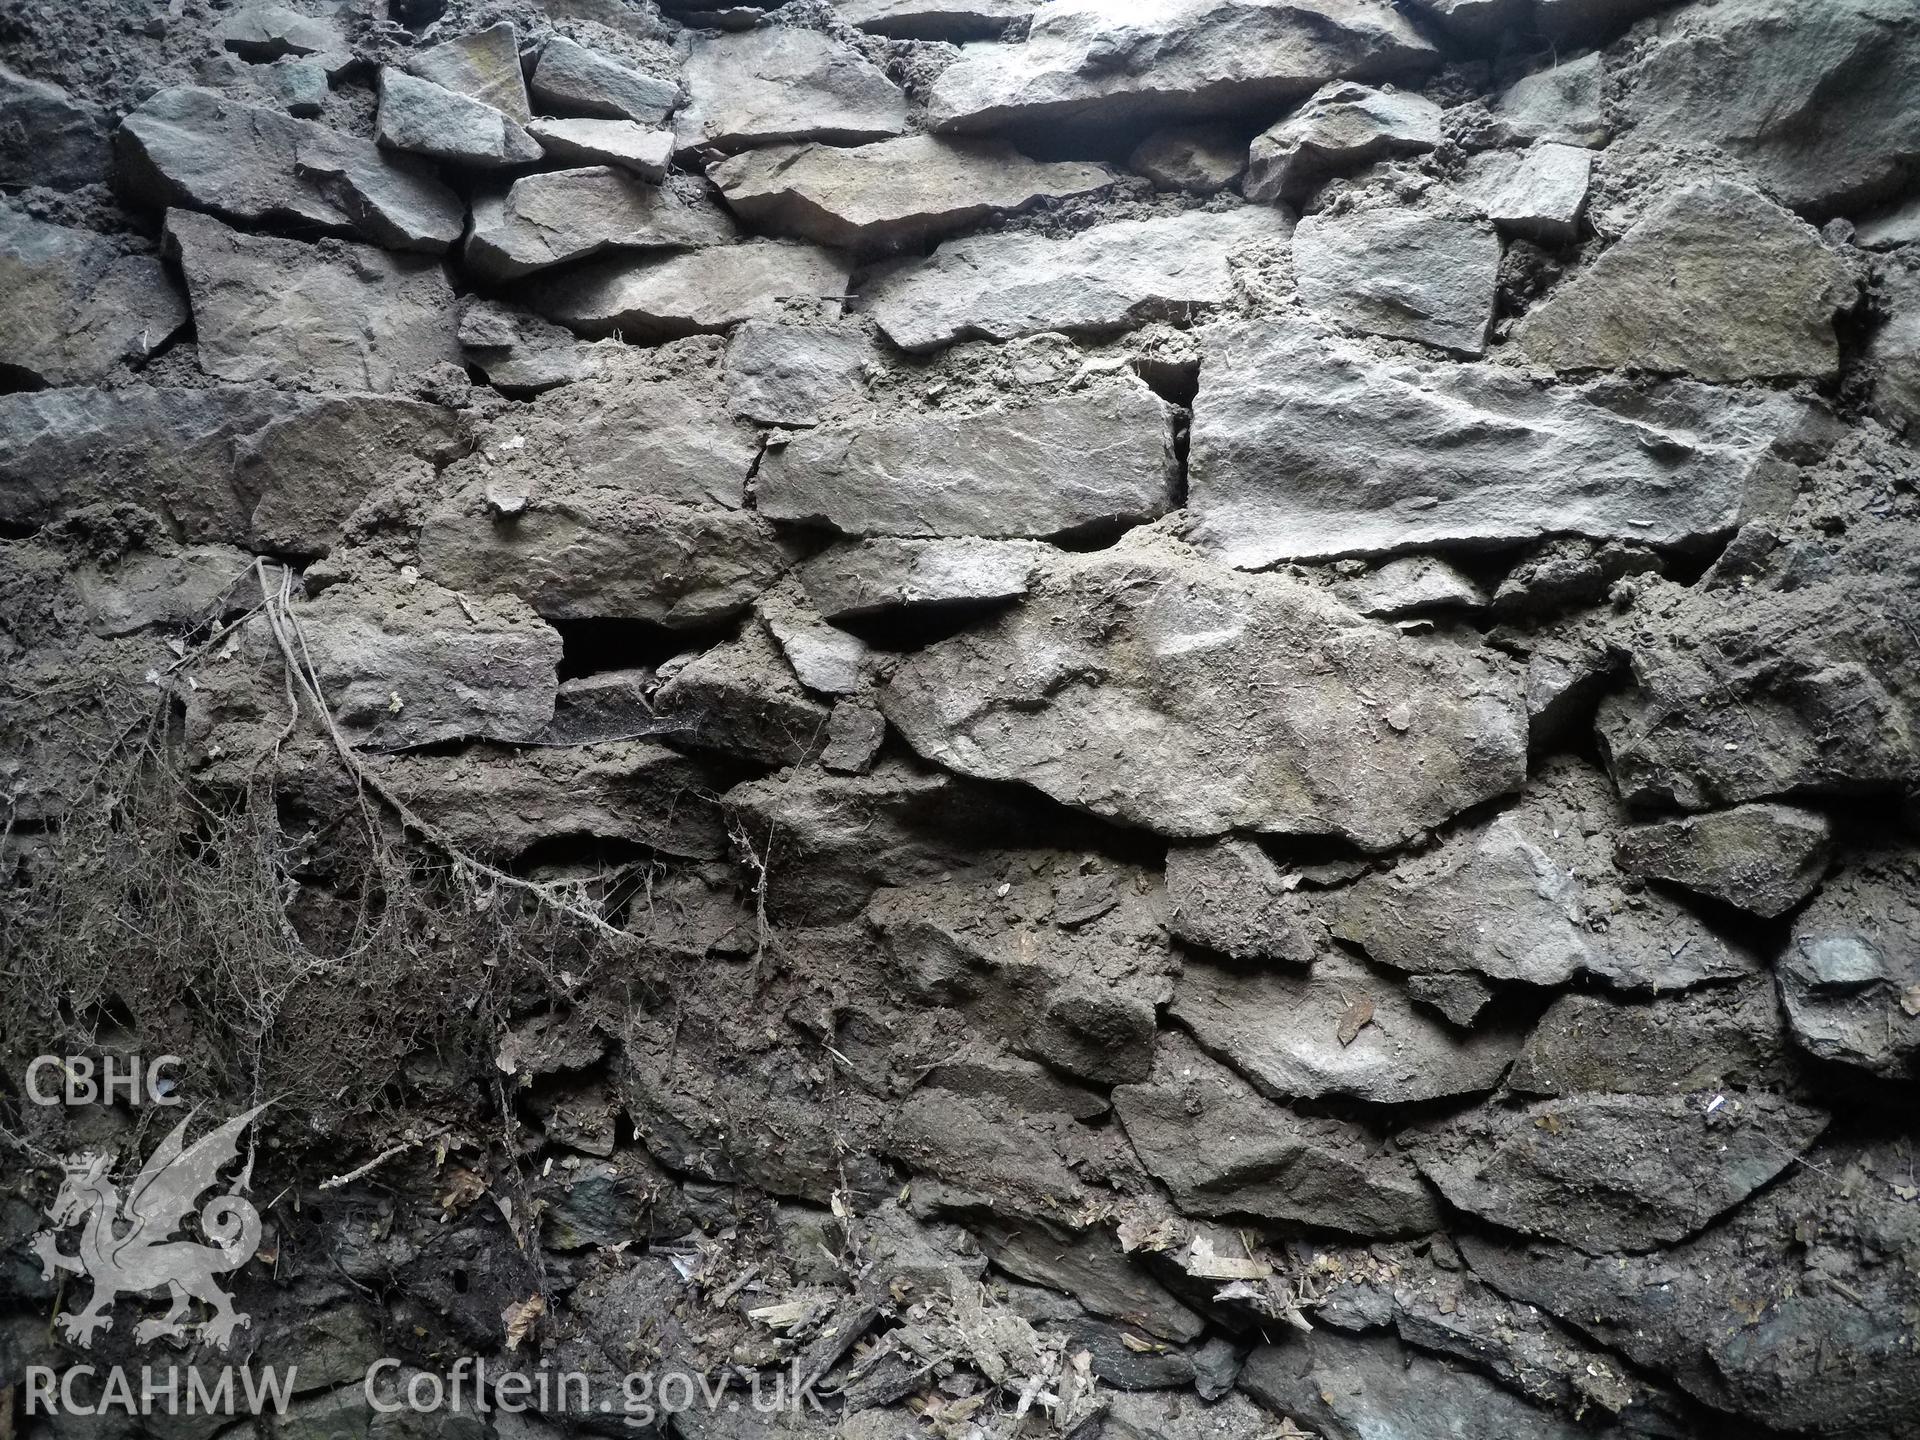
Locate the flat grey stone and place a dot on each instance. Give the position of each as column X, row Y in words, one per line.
column 779, row 85
column 1343, row 127
column 741, row 699
column 49, row 138
column 1086, row 64
column 1561, row 103
column 75, row 309
column 562, row 215
column 575, row 80
column 1717, row 282
column 263, row 33
column 1460, row 997
column 1223, row 1150
column 1405, row 275
column 300, row 86
column 826, row 660
column 1612, row 1173
column 522, row 354
column 1410, row 585
column 894, row 193
column 881, row 576
column 1817, row 99
column 1764, row 859
column 1895, row 347
column 954, row 20
column 662, row 297
column 795, row 375
column 332, row 317
column 1107, row 278
column 643, row 150
column 423, row 118
column 1529, row 897
column 1282, row 1031
column 855, row 731
column 249, row 165
column 483, row 66
column 996, row 474
column 1180, row 735
column 1850, row 977
column 1539, row 193
column 1230, row 897
column 1307, row 447
column 1196, row 159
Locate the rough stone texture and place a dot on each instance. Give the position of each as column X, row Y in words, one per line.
column 423, row 118
column 998, row 474
column 1607, row 1173
column 1283, row 1031
column 892, row 194
column 1269, row 1163
column 483, row 66
column 1764, row 859
column 1307, row 448
column 646, row 152
column 662, row 297
column 522, row 354
column 742, row 699
column 1412, row 584
column 405, row 665
column 249, row 165
column 1341, row 128
column 997, row 287
column 1897, row 226
column 1561, row 104
column 1081, row 691
column 74, row 307
column 777, row 86
column 1541, row 194
column 794, row 375
column 1850, row 976
column 1197, row 159
column 937, row 19
column 548, row 219
column 1408, row 276
column 1230, row 897
column 1717, row 282
column 1895, row 348
column 334, row 316
column 575, row 80
column 887, row 576
column 262, row 33
column 47, row 137
column 1085, row 64
column 1817, row 100
column 1528, row 897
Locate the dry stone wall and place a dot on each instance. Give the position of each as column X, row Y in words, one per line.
column 1126, row 719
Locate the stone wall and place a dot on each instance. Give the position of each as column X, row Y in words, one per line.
column 1146, row 719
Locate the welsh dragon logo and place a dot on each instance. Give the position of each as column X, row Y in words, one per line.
column 128, row 1247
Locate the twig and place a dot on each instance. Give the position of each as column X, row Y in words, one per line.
column 391, row 1152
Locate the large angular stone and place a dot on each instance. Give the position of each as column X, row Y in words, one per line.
column 423, row 118
column 1087, row 64
column 1230, row 898
column 74, row 307
column 1405, row 275
column 1716, row 1038
column 403, row 665
column 560, row 215
column 1145, row 685
column 778, row 85
column 936, row 19
column 575, row 80
column 662, row 297
column 1817, row 99
column 885, row 576
column 892, row 194
column 522, row 354
column 1539, row 193
column 643, row 150
column 1764, row 859
column 1561, row 104
column 1343, row 127
column 1353, row 1387
column 500, row 803
column 1091, row 1268
column 741, row 699
column 1225, row 1151
column 1199, row 159
column 1608, row 1173
column 1850, row 977
column 257, row 467
column 997, row 474
column 1529, row 897
column 263, row 33
column 1306, row 447
column 483, row 66
column 329, row 317
column 250, row 165
column 795, row 374
column 997, row 287
column 49, row 138
column 1717, row 282
column 1284, row 1032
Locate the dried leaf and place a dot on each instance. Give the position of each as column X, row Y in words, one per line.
column 520, row 1318
column 463, row 1188
column 1358, row 1016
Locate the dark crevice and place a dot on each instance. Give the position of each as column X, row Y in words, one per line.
column 593, row 647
